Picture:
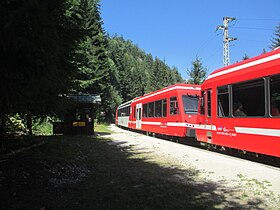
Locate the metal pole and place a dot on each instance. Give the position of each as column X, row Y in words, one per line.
column 226, row 39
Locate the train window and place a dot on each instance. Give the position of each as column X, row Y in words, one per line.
column 202, row 103
column 145, row 110
column 275, row 95
column 158, row 108
column 174, row 108
column 151, row 109
column 139, row 114
column 123, row 112
column 164, row 107
column 190, row 104
column 209, row 103
column 249, row 98
column 223, row 101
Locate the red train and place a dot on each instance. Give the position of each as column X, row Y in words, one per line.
column 170, row 111
column 240, row 105
column 237, row 107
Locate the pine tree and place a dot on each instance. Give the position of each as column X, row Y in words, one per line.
column 245, row 57
column 137, row 71
column 276, row 40
column 175, row 76
column 97, row 72
column 36, row 51
column 198, row 72
column 91, row 50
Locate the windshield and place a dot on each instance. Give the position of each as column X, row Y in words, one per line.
column 190, row 104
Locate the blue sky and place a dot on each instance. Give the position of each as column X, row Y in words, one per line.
column 179, row 30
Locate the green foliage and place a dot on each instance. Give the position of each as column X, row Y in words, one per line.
column 42, row 126
column 245, row 57
column 101, row 128
column 138, row 72
column 37, row 53
column 275, row 42
column 198, row 72
column 96, row 73
column 49, row 48
column 116, row 68
column 15, row 124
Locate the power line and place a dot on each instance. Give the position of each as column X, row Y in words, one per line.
column 263, row 19
column 211, row 55
column 252, row 40
column 208, row 41
column 266, row 29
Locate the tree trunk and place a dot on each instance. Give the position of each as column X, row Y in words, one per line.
column 29, row 123
column 2, row 130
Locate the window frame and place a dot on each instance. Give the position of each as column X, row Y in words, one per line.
column 209, row 103
column 156, row 108
column 202, row 103
column 228, row 93
column 153, row 109
column 176, row 102
column 185, row 105
column 246, row 84
column 267, row 98
column 270, row 103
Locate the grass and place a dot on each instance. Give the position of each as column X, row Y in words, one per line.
column 88, row 173
column 101, row 128
column 45, row 127
column 258, row 189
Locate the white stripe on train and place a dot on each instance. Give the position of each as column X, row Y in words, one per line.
column 258, row 131
column 246, row 65
column 242, row 130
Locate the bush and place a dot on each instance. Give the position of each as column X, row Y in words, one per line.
column 42, row 126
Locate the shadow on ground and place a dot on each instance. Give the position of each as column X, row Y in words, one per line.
column 102, row 133
column 88, row 173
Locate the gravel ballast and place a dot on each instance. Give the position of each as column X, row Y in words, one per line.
column 247, row 177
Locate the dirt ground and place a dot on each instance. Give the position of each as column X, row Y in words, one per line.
column 127, row 170
column 247, row 178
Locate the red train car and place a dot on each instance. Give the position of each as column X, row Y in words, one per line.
column 169, row 111
column 240, row 106
column 123, row 114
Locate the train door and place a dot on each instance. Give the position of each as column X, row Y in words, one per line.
column 139, row 116
column 208, row 115
column 204, row 131
column 173, row 124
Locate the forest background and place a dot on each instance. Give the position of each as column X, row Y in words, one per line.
column 50, row 48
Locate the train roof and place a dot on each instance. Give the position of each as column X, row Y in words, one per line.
column 163, row 90
column 125, row 104
column 261, row 59
column 181, row 86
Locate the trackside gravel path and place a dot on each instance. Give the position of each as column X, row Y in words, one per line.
column 246, row 177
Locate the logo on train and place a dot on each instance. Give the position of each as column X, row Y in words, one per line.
column 226, row 131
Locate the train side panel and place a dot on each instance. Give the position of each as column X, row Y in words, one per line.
column 170, row 119
column 240, row 106
column 123, row 115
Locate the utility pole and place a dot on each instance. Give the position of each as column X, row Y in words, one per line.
column 226, row 39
